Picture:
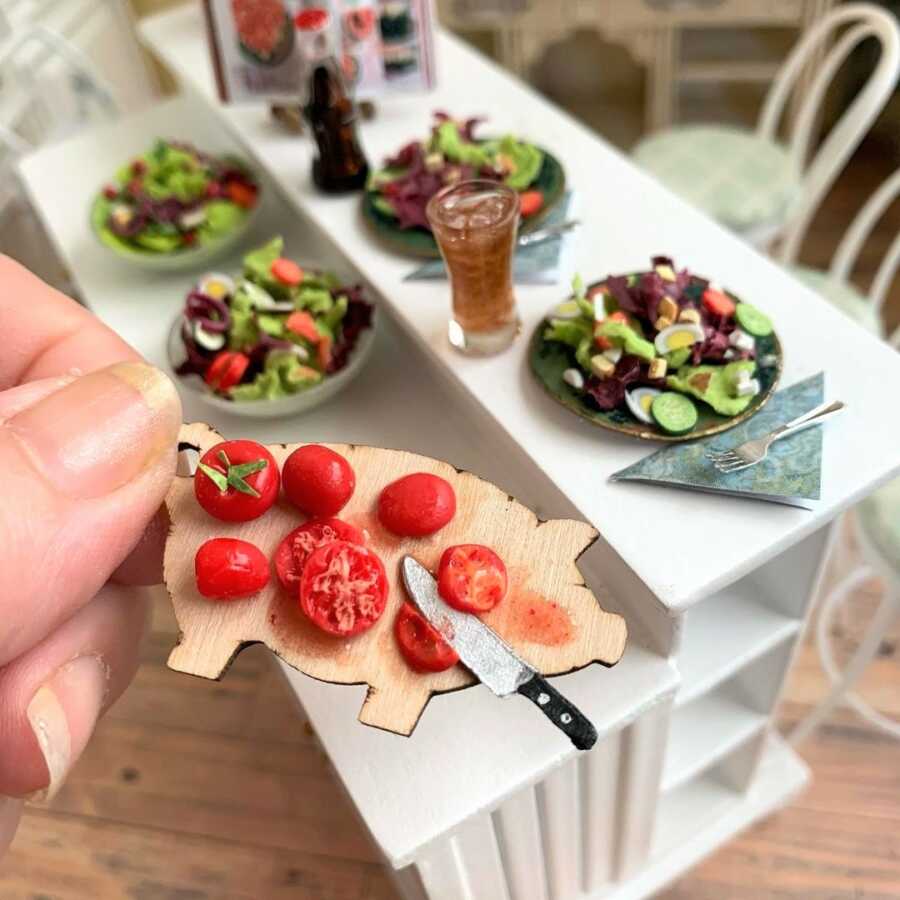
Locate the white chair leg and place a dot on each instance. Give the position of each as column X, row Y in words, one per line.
column 843, row 681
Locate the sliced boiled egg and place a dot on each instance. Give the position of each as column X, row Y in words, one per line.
column 574, row 379
column 639, row 401
column 263, row 300
column 208, row 340
column 678, row 336
column 216, row 285
column 121, row 214
column 193, row 218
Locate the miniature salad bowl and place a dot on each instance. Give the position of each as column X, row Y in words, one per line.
column 175, row 207
column 275, row 341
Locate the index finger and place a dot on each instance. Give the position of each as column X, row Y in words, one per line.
column 45, row 333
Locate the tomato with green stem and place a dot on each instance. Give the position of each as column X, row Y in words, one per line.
column 236, row 481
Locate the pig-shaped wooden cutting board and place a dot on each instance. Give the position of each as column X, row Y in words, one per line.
column 549, row 616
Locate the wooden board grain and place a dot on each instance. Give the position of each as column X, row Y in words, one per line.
column 540, row 557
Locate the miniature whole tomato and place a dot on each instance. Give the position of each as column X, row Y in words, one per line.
column 471, row 578
column 228, row 568
column 318, row 481
column 226, row 369
column 236, row 481
column 416, row 505
column 420, row 642
column 297, row 546
column 530, row 202
column 343, row 588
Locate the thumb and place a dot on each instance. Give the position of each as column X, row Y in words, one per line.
column 82, row 472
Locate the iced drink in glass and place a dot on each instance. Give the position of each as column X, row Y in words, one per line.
column 474, row 224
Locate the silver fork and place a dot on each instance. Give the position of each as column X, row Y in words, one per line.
column 754, row 451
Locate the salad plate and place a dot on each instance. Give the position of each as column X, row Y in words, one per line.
column 175, row 207
column 277, row 339
column 659, row 355
column 396, row 195
column 327, row 595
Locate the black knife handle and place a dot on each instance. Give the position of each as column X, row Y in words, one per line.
column 560, row 712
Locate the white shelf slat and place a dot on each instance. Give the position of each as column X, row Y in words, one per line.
column 724, row 633
column 704, row 732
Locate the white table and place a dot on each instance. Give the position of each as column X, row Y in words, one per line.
column 685, row 758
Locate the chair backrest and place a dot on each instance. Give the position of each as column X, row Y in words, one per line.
column 857, row 21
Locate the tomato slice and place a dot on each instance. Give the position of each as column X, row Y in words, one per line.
column 421, row 643
column 472, row 578
column 312, row 19
column 343, row 588
column 530, row 202
column 303, row 325
column 297, row 546
column 718, row 303
column 227, row 568
column 226, row 370
column 287, row 271
column 244, row 195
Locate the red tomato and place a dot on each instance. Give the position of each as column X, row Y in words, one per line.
column 303, row 325
column 343, row 588
column 189, row 238
column 472, row 578
column 236, row 481
column 139, row 167
column 421, row 643
column 110, row 192
column 718, row 303
column 312, row 19
column 286, row 271
column 242, row 194
column 297, row 546
column 530, row 202
column 323, row 352
column 227, row 568
column 620, row 316
column 416, row 505
column 226, row 370
column 318, row 481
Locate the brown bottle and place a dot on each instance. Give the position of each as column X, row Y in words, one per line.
column 340, row 165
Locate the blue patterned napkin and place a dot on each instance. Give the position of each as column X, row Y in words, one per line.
column 539, row 264
column 790, row 474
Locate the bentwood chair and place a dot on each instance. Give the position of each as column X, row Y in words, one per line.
column 876, row 521
column 752, row 181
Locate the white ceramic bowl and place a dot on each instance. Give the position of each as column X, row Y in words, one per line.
column 293, row 405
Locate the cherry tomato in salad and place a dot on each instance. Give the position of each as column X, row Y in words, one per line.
column 298, row 545
column 134, row 187
column 323, row 352
column 236, row 481
column 138, row 167
column 303, row 325
column 227, row 568
column 189, row 238
column 244, row 195
column 318, row 481
column 718, row 303
column 226, row 370
column 213, row 189
column 530, row 202
column 343, row 588
column 416, row 505
column 110, row 192
column 472, row 578
column 421, row 643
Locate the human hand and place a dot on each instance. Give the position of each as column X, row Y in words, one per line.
column 85, row 462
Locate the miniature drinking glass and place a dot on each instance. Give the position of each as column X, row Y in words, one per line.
column 475, row 224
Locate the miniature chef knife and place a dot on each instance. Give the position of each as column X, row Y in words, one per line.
column 491, row 659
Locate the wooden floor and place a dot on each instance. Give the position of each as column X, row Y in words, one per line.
column 194, row 790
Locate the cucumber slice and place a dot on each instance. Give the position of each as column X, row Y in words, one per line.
column 674, row 413
column 753, row 321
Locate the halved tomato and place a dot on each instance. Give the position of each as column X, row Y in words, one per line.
column 303, row 325
column 472, row 578
column 421, row 643
column 226, row 370
column 244, row 195
column 343, row 588
column 530, row 202
column 286, row 271
column 297, row 546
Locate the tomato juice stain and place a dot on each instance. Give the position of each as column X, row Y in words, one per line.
column 534, row 618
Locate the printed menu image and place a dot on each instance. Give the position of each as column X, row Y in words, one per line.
column 263, row 50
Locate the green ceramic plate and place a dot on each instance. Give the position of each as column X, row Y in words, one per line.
column 551, row 181
column 549, row 359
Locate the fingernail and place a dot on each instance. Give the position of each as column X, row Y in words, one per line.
column 62, row 715
column 102, row 430
column 10, row 810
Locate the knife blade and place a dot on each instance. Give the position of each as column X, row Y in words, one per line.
column 491, row 659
